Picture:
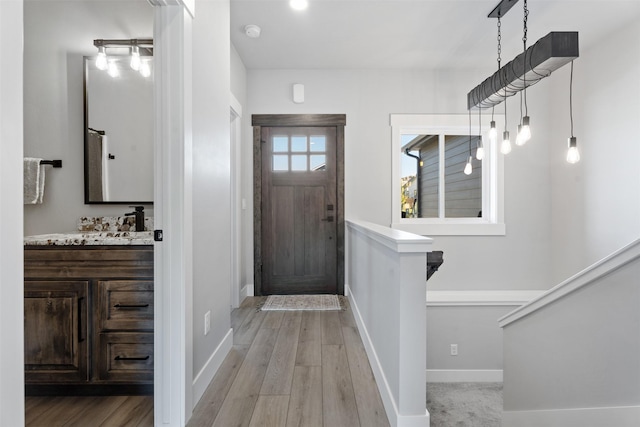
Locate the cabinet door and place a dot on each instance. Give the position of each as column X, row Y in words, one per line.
column 125, row 357
column 124, row 305
column 55, row 331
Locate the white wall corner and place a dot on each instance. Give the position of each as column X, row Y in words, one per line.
column 208, row 371
column 246, row 291
column 464, row 376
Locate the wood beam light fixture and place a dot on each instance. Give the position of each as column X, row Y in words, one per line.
column 547, row 55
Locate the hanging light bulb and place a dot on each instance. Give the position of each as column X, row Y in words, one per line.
column 101, row 60
column 493, row 132
column 505, row 148
column 468, row 168
column 526, row 130
column 112, row 69
column 573, row 155
column 145, row 68
column 519, row 140
column 135, row 58
column 480, row 149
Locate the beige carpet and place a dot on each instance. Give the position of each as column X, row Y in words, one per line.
column 302, row 302
column 465, row 404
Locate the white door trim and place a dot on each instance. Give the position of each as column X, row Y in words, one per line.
column 172, row 211
column 236, row 200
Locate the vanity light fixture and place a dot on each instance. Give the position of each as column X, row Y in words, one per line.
column 573, row 155
column 137, row 49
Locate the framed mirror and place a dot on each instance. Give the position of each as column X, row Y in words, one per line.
column 118, row 142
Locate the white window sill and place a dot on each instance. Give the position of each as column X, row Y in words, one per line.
column 446, row 228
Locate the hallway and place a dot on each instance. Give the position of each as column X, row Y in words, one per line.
column 292, row 369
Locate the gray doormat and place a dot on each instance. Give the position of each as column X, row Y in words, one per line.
column 301, row 302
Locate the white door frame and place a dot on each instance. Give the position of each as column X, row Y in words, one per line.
column 236, row 201
column 173, row 337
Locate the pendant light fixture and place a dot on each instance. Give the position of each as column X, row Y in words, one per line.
column 468, row 168
column 524, row 131
column 480, row 147
column 573, row 155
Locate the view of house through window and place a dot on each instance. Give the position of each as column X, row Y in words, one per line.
column 433, row 184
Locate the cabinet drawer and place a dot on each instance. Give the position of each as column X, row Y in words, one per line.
column 124, row 356
column 125, row 305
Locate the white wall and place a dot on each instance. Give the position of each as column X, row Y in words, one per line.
column 11, row 253
column 367, row 97
column 57, row 35
column 596, row 203
column 211, row 186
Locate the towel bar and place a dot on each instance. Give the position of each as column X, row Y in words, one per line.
column 54, row 163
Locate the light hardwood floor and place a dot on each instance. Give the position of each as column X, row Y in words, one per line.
column 295, row 368
column 285, row 369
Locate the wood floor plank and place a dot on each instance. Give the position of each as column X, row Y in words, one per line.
column 238, row 406
column 305, row 403
column 61, row 412
column 331, row 328
column 94, row 413
column 209, row 406
column 270, row 411
column 249, row 328
column 347, row 319
column 147, row 420
column 309, row 344
column 273, row 319
column 279, row 373
column 238, row 315
column 34, row 406
column 338, row 400
column 130, row 413
column 370, row 408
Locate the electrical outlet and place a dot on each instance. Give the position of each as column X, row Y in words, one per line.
column 454, row 349
column 207, row 322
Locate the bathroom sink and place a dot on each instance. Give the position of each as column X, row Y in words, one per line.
column 92, row 238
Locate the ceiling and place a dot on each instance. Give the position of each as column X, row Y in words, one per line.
column 409, row 34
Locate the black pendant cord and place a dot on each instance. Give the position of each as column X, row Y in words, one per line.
column 571, row 98
column 469, row 132
column 524, row 63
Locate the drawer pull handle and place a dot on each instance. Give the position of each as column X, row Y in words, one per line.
column 132, row 358
column 131, row 305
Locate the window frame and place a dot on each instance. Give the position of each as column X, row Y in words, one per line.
column 492, row 221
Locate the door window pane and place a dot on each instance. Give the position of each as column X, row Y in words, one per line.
column 298, row 163
column 318, row 162
column 298, row 144
column 280, row 162
column 280, row 144
column 318, row 143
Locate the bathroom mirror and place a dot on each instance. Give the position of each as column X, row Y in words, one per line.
column 118, row 142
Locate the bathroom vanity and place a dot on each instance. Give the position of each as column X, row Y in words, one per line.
column 88, row 314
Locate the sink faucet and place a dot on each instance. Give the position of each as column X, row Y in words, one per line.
column 139, row 217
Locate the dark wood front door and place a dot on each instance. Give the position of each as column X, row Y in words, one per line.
column 299, row 232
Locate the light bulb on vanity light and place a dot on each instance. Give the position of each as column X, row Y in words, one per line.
column 505, row 148
column 468, row 168
column 112, row 69
column 573, row 155
column 135, row 58
column 101, row 60
column 145, row 68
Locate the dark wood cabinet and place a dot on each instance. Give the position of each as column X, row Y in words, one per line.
column 88, row 320
column 55, row 331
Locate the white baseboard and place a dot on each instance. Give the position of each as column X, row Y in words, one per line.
column 390, row 406
column 206, row 374
column 464, row 375
column 247, row 291
column 621, row 416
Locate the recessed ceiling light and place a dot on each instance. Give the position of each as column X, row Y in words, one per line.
column 299, row 4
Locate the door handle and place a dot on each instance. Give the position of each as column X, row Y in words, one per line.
column 328, row 219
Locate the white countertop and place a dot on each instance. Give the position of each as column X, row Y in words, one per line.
column 91, row 238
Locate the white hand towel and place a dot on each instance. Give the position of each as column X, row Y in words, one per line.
column 33, row 183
